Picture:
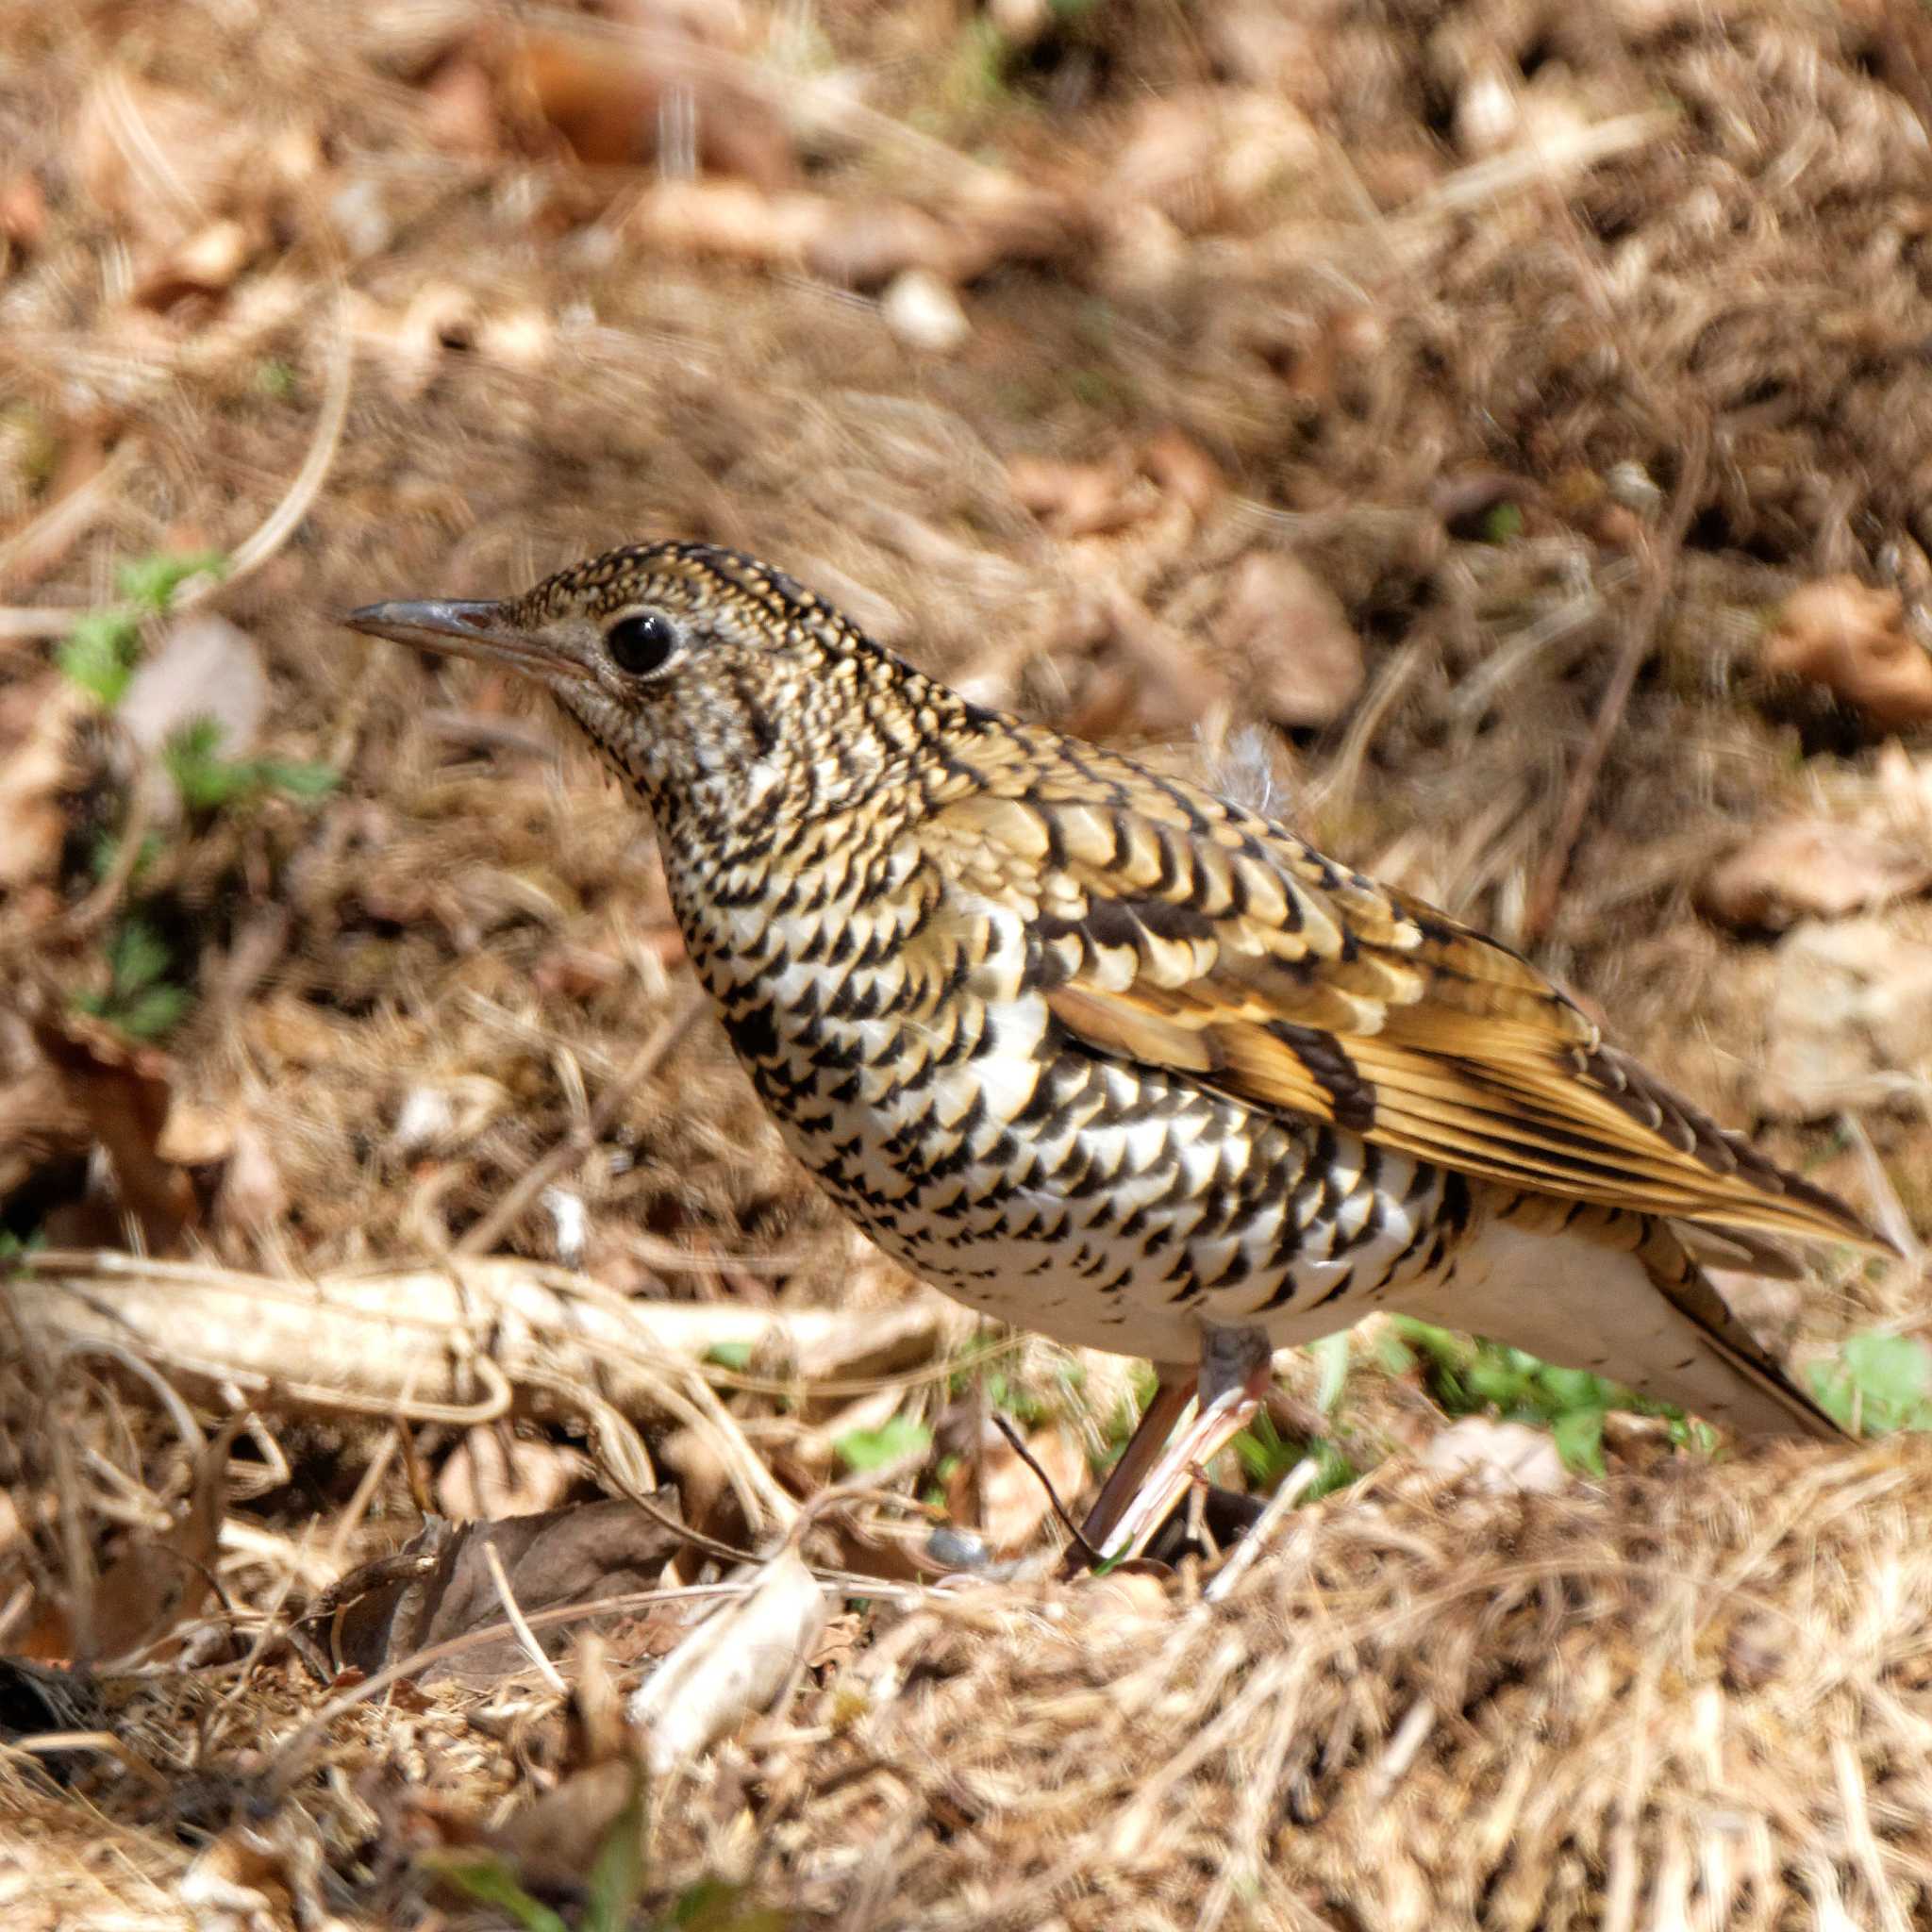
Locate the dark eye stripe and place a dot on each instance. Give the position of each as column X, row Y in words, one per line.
column 640, row 644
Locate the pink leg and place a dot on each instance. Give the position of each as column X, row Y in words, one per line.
column 1237, row 1366
column 1171, row 1394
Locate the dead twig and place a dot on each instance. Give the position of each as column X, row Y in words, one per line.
column 1639, row 639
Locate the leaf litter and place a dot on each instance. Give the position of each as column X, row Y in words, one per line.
column 1298, row 394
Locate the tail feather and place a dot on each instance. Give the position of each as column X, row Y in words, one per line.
column 1618, row 1293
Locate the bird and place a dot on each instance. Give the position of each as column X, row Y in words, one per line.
column 1108, row 1056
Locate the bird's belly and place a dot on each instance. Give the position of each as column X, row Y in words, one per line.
column 1112, row 1205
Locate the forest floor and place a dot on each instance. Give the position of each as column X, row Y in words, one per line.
column 1499, row 435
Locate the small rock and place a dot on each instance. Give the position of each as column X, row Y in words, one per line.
column 925, row 313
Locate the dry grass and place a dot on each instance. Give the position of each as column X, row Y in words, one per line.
column 1691, row 1695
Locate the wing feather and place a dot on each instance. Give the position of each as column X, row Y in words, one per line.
column 1171, row 926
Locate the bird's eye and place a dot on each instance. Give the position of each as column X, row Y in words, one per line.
column 640, row 644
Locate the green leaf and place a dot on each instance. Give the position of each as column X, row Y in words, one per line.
column 1579, row 1439
column 712, row 1905
column 1334, row 1471
column 1563, row 1389
column 487, row 1879
column 153, row 580
column 734, row 1356
column 298, row 780
column 1331, row 1354
column 617, row 1872
column 898, row 1441
column 156, row 1012
column 99, row 654
column 137, row 957
column 1265, row 1455
column 1883, row 1382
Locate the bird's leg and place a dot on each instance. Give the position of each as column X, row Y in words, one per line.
column 1237, row 1366
column 1173, row 1393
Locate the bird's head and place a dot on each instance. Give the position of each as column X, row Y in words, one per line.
column 715, row 684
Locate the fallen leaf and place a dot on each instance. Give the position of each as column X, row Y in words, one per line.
column 729, row 219
column 1079, row 499
column 1853, row 638
column 733, row 1665
column 1850, row 1021
column 1500, row 1456
column 1013, row 1501
column 23, row 211
column 1812, row 868
column 490, row 1475
column 205, row 263
column 1292, row 629
column 460, row 107
column 37, row 768
column 440, row 1585
column 1180, row 468
column 616, row 101
column 159, row 1583
column 123, row 1091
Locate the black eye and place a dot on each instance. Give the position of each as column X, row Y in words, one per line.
column 641, row 643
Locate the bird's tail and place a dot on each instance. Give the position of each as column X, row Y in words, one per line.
column 1618, row 1292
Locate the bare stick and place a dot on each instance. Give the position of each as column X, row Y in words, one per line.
column 1020, row 1449
column 1638, row 642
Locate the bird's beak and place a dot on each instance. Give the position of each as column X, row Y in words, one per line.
column 460, row 630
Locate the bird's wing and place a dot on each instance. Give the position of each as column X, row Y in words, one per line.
column 1170, row 927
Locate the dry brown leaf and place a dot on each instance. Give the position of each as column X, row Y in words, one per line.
column 490, row 1474
column 123, row 1090
column 440, row 1585
column 159, row 1583
column 1852, row 638
column 1851, row 1019
column 611, row 101
column 37, row 768
column 729, row 219
column 1812, row 868
column 1013, row 1503
column 23, row 211
column 1181, row 469
column 554, row 1841
column 1292, row 627
column 205, row 263
column 460, row 107
column 1079, row 499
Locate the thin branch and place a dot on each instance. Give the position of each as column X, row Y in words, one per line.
column 1093, row 1557
column 1639, row 640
